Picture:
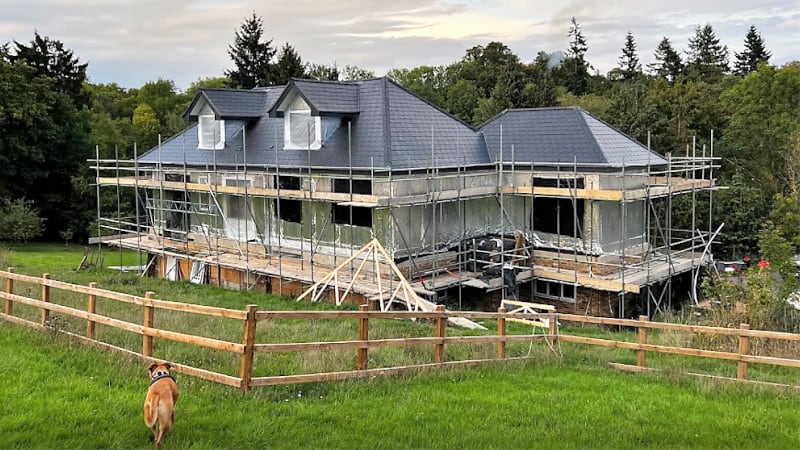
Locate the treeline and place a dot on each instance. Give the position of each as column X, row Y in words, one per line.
column 51, row 118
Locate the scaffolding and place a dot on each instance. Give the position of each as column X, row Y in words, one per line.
column 574, row 234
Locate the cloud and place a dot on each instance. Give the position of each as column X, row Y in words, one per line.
column 132, row 41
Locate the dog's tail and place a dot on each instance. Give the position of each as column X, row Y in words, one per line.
column 150, row 412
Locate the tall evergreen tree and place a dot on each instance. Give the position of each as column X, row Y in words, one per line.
column 754, row 53
column 577, row 43
column 50, row 59
column 707, row 58
column 289, row 65
column 629, row 61
column 251, row 55
column 668, row 64
column 574, row 70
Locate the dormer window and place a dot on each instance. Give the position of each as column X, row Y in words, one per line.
column 210, row 132
column 301, row 130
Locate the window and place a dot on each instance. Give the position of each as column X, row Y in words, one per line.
column 361, row 216
column 555, row 290
column 302, row 130
column 210, row 133
column 342, row 185
column 288, row 182
column 557, row 216
column 289, row 210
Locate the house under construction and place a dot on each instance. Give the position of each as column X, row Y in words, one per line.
column 278, row 188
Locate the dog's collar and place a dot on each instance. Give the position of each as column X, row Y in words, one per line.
column 160, row 376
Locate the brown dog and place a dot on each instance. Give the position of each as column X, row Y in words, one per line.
column 159, row 412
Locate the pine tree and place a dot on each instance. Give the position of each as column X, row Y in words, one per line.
column 574, row 71
column 289, row 65
column 577, row 43
column 668, row 63
column 251, row 55
column 754, row 53
column 707, row 58
column 629, row 61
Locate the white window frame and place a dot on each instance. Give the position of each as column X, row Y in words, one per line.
column 220, row 132
column 560, row 296
column 287, row 131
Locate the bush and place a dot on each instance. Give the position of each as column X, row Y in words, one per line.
column 19, row 220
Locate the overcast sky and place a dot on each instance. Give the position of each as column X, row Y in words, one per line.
column 134, row 41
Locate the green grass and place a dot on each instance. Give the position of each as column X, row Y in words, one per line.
column 60, row 394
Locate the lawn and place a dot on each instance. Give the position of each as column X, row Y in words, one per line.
column 60, row 394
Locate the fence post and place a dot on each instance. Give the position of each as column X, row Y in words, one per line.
column 438, row 351
column 91, row 306
column 362, row 357
column 641, row 354
column 46, row 299
column 248, row 340
column 501, row 333
column 9, row 290
column 149, row 312
column 744, row 349
column 552, row 328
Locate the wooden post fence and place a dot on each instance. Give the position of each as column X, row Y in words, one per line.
column 149, row 315
column 362, row 356
column 91, row 307
column 46, row 299
column 9, row 290
column 501, row 333
column 249, row 341
column 641, row 354
column 744, row 350
column 438, row 353
column 552, row 328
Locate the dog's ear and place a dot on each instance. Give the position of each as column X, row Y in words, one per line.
column 169, row 366
column 151, row 367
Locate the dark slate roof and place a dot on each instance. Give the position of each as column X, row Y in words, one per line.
column 324, row 97
column 563, row 136
column 230, row 104
column 396, row 129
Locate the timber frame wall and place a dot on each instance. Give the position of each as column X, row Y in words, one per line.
column 642, row 268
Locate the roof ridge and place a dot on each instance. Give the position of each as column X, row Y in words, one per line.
column 582, row 120
column 336, row 82
column 256, row 90
column 440, row 109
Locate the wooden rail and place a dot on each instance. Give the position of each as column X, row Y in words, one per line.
column 249, row 348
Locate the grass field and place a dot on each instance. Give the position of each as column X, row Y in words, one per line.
column 60, row 394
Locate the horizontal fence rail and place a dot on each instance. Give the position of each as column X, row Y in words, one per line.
column 248, row 348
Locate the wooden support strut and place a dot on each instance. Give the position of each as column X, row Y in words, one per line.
column 501, row 334
column 91, row 307
column 9, row 290
column 438, row 354
column 362, row 357
column 744, row 350
column 641, row 354
column 248, row 340
column 45, row 299
column 149, row 315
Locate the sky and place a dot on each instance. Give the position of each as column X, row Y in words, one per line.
column 131, row 42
